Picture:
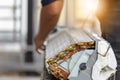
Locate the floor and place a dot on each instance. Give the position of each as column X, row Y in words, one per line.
column 18, row 78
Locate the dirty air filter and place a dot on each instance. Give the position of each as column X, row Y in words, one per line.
column 79, row 55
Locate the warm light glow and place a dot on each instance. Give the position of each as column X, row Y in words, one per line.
column 86, row 7
column 90, row 5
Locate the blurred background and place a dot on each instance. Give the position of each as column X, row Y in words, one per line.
column 19, row 20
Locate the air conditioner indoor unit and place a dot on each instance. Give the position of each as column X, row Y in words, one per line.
column 76, row 54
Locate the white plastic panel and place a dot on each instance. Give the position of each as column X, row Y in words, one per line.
column 6, row 2
column 18, row 13
column 6, row 13
column 6, row 25
column 9, row 3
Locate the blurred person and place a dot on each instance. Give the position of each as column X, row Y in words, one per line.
column 109, row 16
column 49, row 16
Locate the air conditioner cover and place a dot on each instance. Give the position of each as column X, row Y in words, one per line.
column 79, row 55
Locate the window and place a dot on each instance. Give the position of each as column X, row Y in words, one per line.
column 10, row 20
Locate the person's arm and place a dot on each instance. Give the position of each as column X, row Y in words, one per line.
column 48, row 19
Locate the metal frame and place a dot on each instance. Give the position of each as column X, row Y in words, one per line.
column 29, row 53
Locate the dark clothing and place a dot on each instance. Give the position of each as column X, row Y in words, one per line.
column 46, row 2
column 110, row 24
